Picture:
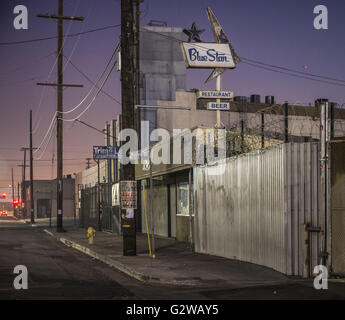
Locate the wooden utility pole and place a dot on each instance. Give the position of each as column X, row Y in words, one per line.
column 59, row 115
column 13, row 194
column 128, row 213
column 32, row 215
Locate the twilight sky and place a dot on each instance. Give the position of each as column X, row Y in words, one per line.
column 278, row 32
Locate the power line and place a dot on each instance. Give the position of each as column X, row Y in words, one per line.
column 88, row 79
column 293, row 75
column 55, row 37
column 93, row 99
column 306, row 75
column 296, row 71
column 96, row 84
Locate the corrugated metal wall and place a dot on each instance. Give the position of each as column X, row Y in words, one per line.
column 256, row 210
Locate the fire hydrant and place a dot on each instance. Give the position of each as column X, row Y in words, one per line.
column 91, row 232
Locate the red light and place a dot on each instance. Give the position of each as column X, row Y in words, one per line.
column 3, row 195
column 16, row 202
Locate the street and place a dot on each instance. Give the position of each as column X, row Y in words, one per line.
column 58, row 272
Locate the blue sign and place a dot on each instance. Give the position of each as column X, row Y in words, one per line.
column 207, row 55
column 105, row 152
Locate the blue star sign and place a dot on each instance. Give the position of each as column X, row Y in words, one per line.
column 193, row 33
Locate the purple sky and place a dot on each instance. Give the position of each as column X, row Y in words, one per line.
column 273, row 31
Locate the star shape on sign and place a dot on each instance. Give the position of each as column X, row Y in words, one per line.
column 193, row 33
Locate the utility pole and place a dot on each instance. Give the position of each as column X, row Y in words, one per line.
column 32, row 215
column 24, row 177
column 13, row 194
column 128, row 214
column 24, row 186
column 60, row 18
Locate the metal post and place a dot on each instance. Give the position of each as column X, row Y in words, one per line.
column 151, row 213
column 324, row 138
column 99, row 197
column 109, row 217
column 218, row 88
column 190, row 211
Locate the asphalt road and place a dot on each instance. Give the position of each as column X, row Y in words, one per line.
column 58, row 272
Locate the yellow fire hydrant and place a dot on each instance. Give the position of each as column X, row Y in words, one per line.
column 91, row 232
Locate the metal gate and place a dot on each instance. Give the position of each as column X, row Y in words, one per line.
column 92, row 212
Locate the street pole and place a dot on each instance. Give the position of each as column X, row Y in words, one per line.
column 151, row 211
column 324, row 138
column 218, row 88
column 32, row 215
column 127, row 90
column 59, row 219
column 109, row 184
column 13, row 194
column 190, row 210
column 99, row 197
column 59, row 115
column 24, row 186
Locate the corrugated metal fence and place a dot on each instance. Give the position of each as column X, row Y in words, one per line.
column 257, row 209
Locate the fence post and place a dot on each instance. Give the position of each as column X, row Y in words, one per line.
column 286, row 122
column 262, row 130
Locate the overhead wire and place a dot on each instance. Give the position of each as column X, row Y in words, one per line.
column 55, row 37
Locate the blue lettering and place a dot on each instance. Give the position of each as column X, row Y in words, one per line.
column 211, row 53
column 192, row 54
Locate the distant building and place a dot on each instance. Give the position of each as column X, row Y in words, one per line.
column 45, row 198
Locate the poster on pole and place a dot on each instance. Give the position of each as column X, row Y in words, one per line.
column 128, row 194
column 115, row 192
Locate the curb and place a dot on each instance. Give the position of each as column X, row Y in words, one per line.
column 120, row 266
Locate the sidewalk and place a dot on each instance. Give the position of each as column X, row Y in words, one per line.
column 174, row 264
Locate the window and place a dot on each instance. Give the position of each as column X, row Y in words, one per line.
column 183, row 199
